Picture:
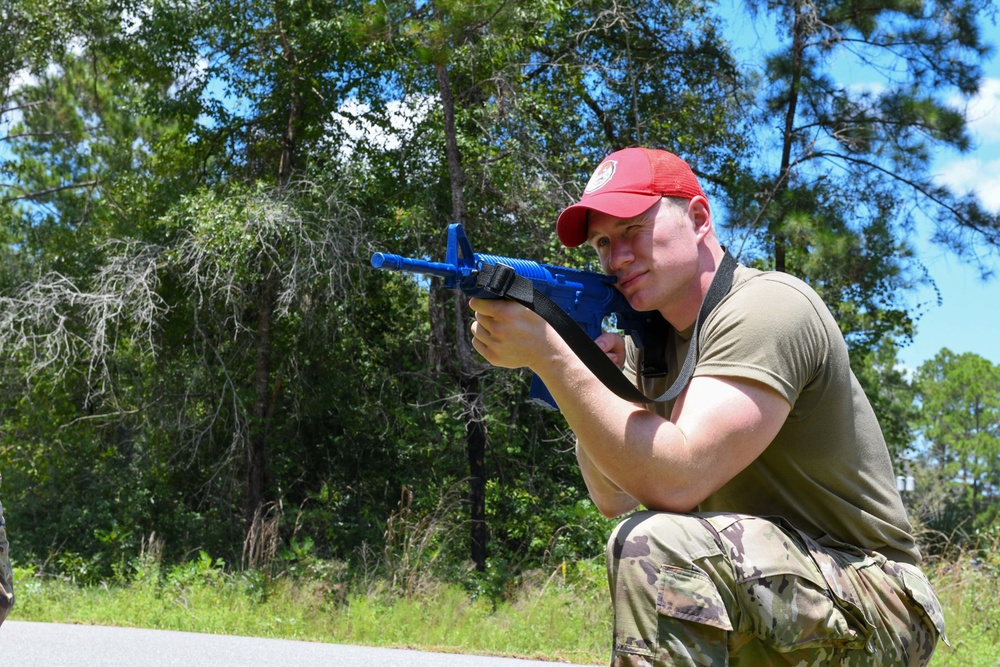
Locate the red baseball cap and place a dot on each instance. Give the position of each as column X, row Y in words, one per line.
column 628, row 182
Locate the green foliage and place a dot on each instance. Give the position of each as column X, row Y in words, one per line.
column 968, row 583
column 189, row 197
column 959, row 443
column 560, row 613
column 849, row 173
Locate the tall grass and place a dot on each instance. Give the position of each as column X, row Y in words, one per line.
column 559, row 615
column 562, row 614
column 968, row 586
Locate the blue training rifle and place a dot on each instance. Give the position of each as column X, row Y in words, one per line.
column 588, row 298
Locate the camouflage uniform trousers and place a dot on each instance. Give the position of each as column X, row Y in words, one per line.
column 729, row 589
column 6, row 576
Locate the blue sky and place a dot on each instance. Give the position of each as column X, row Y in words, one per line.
column 968, row 317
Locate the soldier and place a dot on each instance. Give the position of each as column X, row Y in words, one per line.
column 772, row 531
column 6, row 576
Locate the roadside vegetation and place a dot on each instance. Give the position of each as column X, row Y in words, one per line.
column 559, row 615
column 556, row 614
column 969, row 588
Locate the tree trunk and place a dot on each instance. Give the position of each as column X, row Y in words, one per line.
column 476, row 438
column 265, row 399
column 799, row 28
column 258, row 472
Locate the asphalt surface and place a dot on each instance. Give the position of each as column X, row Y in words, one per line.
column 26, row 644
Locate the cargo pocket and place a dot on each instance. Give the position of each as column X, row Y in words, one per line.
column 690, row 595
column 784, row 599
column 920, row 590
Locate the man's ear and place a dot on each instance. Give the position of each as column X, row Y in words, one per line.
column 700, row 215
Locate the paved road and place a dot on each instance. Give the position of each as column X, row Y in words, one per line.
column 24, row 644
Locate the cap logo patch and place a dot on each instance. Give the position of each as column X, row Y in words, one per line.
column 601, row 176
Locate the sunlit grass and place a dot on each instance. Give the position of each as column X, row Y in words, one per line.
column 969, row 591
column 560, row 615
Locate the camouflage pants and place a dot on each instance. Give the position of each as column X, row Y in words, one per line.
column 728, row 589
column 6, row 576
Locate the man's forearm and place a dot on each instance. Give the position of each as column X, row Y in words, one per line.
column 607, row 496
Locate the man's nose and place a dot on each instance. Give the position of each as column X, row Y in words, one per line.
column 619, row 256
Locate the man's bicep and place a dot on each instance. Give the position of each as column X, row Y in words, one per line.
column 727, row 423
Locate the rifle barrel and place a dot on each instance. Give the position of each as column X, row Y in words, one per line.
column 390, row 262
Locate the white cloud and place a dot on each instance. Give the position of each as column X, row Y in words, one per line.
column 979, row 171
column 874, row 88
column 983, row 111
column 975, row 174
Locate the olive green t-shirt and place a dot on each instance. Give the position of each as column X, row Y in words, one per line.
column 828, row 470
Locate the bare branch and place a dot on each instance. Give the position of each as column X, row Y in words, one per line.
column 42, row 193
column 55, row 324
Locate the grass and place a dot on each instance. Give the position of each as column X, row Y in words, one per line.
column 560, row 616
column 969, row 591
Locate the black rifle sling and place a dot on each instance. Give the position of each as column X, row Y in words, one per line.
column 503, row 281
